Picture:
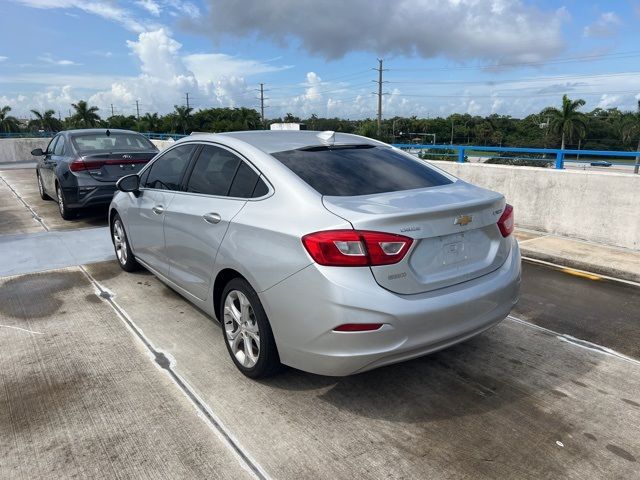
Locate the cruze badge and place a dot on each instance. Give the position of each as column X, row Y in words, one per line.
column 463, row 220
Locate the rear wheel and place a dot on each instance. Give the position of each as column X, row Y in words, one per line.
column 247, row 332
column 65, row 211
column 126, row 260
column 41, row 191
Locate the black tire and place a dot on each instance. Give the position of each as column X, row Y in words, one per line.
column 41, row 191
column 65, row 212
column 268, row 360
column 121, row 245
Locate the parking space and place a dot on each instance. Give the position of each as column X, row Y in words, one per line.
column 22, row 183
column 107, row 373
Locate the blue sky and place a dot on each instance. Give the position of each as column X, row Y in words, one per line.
column 467, row 56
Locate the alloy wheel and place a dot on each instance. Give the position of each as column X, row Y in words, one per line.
column 120, row 242
column 40, row 188
column 241, row 328
column 60, row 200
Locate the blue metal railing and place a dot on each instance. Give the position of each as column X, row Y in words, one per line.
column 555, row 155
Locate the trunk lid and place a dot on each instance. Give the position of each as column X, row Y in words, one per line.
column 109, row 167
column 454, row 227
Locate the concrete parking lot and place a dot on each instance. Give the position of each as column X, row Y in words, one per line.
column 111, row 374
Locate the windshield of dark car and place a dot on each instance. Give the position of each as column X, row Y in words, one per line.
column 359, row 170
column 101, row 142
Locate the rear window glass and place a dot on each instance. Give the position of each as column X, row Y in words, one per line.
column 100, row 142
column 359, row 170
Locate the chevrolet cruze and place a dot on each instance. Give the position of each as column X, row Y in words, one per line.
column 327, row 252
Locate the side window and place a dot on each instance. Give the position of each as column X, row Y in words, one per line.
column 59, row 148
column 245, row 183
column 260, row 189
column 166, row 172
column 213, row 172
column 52, row 145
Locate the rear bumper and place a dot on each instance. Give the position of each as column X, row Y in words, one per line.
column 90, row 195
column 305, row 308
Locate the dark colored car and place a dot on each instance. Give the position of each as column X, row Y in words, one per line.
column 601, row 163
column 80, row 167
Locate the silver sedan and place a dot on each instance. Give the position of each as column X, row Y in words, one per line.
column 327, row 252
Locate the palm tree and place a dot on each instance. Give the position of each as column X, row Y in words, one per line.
column 183, row 117
column 631, row 131
column 85, row 115
column 567, row 121
column 7, row 122
column 46, row 120
column 150, row 122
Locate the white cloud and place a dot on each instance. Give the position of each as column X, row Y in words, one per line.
column 3, row 58
column 607, row 25
column 48, row 58
column 150, row 6
column 497, row 30
column 106, row 9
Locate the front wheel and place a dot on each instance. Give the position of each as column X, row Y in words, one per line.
column 65, row 211
column 247, row 332
column 126, row 260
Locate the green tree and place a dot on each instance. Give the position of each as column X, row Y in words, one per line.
column 183, row 117
column 567, row 121
column 150, row 122
column 84, row 116
column 46, row 120
column 631, row 131
column 7, row 122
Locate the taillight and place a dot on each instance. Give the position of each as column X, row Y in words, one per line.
column 79, row 165
column 356, row 248
column 506, row 222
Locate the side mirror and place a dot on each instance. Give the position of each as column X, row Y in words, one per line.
column 37, row 152
column 129, row 183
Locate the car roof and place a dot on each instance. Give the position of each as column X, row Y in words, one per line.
column 271, row 141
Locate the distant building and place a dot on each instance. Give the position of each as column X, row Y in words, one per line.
column 287, row 126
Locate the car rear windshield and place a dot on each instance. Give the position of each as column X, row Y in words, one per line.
column 101, row 142
column 359, row 170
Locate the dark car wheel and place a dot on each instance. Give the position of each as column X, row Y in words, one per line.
column 246, row 330
column 65, row 212
column 41, row 191
column 125, row 257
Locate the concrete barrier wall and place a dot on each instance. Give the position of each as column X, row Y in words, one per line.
column 595, row 206
column 19, row 149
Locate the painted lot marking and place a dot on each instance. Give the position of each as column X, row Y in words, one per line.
column 167, row 363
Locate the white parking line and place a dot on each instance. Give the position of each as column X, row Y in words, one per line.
column 36, row 217
column 164, row 361
column 578, row 342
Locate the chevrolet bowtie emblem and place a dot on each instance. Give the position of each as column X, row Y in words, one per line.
column 463, row 220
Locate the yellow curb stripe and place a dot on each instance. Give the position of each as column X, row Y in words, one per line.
column 578, row 273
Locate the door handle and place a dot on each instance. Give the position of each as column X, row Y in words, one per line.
column 158, row 209
column 212, row 218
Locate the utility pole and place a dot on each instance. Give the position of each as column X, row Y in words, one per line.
column 112, row 109
column 262, row 105
column 451, row 142
column 187, row 95
column 380, row 94
column 137, row 110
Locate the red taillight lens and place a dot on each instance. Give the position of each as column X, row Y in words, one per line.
column 79, row 165
column 356, row 248
column 358, row 327
column 506, row 222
